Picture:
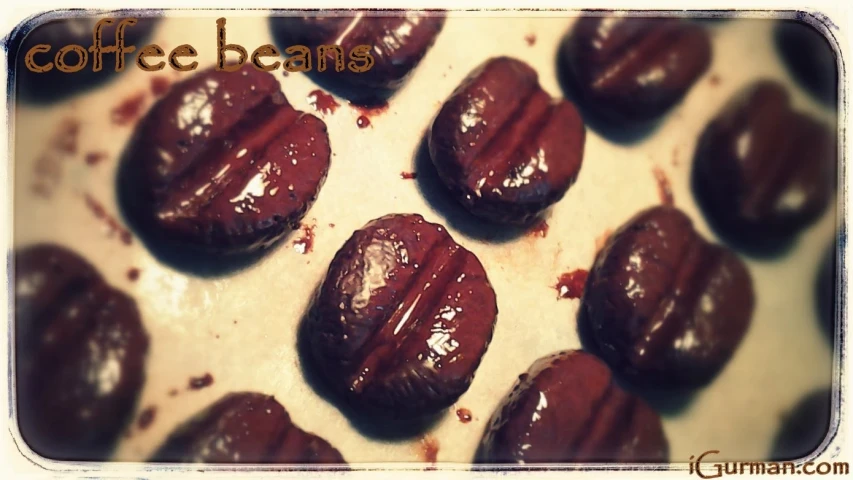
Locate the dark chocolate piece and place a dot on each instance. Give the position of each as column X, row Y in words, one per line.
column 810, row 59
column 224, row 163
column 629, row 72
column 54, row 84
column 763, row 172
column 245, row 427
column 402, row 319
column 505, row 149
column 567, row 408
column 398, row 42
column 80, row 355
column 665, row 307
column 805, row 427
column 826, row 295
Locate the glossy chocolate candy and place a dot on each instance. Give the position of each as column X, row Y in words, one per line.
column 505, row 149
column 398, row 41
column 662, row 305
column 805, row 427
column 245, row 427
column 567, row 408
column 80, row 354
column 809, row 57
column 224, row 163
column 402, row 319
column 762, row 172
column 628, row 72
column 54, row 84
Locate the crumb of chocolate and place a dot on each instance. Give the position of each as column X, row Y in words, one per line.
column 146, row 418
column 464, row 415
column 305, row 242
column 571, row 284
column 204, row 381
column 133, row 274
column 530, row 39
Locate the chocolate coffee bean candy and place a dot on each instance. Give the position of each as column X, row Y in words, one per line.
column 505, row 149
column 809, row 57
column 54, row 84
column 397, row 44
column 763, row 172
column 567, row 408
column 245, row 427
column 628, row 72
column 402, row 318
column 805, row 427
column 663, row 306
column 224, row 163
column 825, row 294
column 80, row 354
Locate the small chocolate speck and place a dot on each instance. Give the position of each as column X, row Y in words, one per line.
column 94, row 158
column 146, row 418
column 571, row 284
column 197, row 383
column 408, row 175
column 530, row 39
column 464, row 415
column 173, row 392
column 133, row 274
column 714, row 80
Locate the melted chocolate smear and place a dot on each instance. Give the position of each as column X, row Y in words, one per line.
column 571, row 284
column 146, row 418
column 371, row 110
column 128, row 110
column 664, row 188
column 197, row 383
column 113, row 225
column 48, row 167
column 322, row 102
column 65, row 140
column 160, row 85
column 539, row 229
column 429, row 450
